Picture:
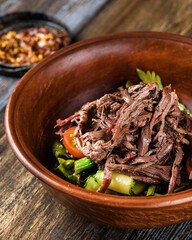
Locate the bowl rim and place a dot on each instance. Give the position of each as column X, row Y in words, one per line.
column 49, row 178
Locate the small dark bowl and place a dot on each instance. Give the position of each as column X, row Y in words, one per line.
column 60, row 84
column 21, row 20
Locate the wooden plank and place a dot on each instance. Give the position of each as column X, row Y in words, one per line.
column 147, row 15
column 6, row 87
column 178, row 231
column 74, row 13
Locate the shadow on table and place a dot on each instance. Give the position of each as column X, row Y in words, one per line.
column 81, row 228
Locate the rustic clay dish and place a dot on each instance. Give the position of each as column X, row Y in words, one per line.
column 60, row 84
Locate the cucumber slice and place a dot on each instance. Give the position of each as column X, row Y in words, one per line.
column 122, row 183
column 92, row 185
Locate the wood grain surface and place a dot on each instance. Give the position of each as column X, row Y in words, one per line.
column 27, row 211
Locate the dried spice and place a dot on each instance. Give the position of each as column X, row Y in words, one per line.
column 30, row 45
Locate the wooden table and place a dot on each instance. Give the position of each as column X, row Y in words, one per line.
column 26, row 210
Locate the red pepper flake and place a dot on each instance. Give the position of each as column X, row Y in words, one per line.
column 30, row 45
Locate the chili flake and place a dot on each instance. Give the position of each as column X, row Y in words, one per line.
column 30, row 45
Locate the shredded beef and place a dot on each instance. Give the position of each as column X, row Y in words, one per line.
column 135, row 131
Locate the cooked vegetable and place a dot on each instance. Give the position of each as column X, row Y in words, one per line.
column 68, row 164
column 121, row 183
column 70, row 144
column 83, row 164
column 151, row 190
column 64, row 167
column 59, row 151
column 91, row 184
column 138, row 188
column 66, row 174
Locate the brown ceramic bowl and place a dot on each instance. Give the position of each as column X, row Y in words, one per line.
column 60, row 84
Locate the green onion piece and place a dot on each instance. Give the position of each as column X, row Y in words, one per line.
column 69, row 164
column 83, row 164
column 66, row 174
column 151, row 190
column 59, row 150
column 60, row 160
column 73, row 178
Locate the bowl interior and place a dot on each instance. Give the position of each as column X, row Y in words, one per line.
column 59, row 85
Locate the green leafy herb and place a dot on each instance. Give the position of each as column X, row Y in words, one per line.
column 149, row 77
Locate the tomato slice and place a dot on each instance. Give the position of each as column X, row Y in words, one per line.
column 69, row 143
column 189, row 166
